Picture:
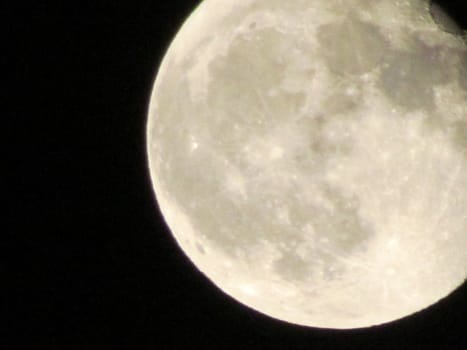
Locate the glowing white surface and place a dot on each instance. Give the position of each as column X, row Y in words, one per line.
column 310, row 157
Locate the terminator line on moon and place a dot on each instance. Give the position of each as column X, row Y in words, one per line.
column 310, row 156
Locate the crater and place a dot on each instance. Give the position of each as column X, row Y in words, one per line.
column 200, row 248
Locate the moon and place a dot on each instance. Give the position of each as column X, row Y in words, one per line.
column 310, row 156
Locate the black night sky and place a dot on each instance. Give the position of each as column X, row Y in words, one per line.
column 86, row 260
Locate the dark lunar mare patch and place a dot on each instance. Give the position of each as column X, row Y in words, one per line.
column 463, row 71
column 460, row 136
column 351, row 46
column 408, row 77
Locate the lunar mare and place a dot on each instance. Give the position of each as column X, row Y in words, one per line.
column 310, row 157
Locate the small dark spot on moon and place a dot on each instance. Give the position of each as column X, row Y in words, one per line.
column 252, row 25
column 200, row 248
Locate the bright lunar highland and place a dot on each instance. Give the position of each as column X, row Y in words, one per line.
column 310, row 156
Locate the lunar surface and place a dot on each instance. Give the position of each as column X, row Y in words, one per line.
column 310, row 156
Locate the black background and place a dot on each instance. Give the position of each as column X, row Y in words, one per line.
column 86, row 260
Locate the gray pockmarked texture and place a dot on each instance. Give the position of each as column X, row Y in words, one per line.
column 310, row 157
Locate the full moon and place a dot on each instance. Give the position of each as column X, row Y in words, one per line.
column 310, row 156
